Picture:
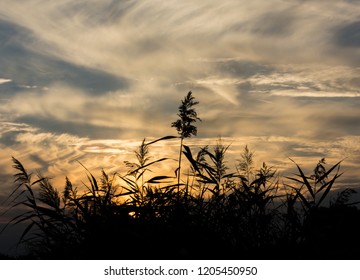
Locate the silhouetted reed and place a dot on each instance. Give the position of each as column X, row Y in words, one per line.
column 185, row 125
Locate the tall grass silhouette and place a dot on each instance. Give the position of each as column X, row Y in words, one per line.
column 248, row 213
column 185, row 124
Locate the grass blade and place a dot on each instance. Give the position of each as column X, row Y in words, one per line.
column 305, row 180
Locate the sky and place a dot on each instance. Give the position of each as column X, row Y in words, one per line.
column 87, row 80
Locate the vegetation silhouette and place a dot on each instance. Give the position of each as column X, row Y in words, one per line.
column 184, row 125
column 247, row 214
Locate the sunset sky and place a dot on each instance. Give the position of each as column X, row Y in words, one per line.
column 87, row 80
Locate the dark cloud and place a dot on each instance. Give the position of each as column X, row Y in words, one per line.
column 344, row 124
column 303, row 150
column 348, row 35
column 37, row 159
column 74, row 128
column 11, row 35
column 8, row 89
column 8, row 138
column 242, row 68
column 245, row 87
column 28, row 68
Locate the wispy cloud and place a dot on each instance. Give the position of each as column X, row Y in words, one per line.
column 3, row 81
column 304, row 92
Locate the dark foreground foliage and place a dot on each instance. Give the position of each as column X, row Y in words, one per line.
column 213, row 215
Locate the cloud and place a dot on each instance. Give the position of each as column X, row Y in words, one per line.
column 57, row 155
column 139, row 40
column 349, row 35
column 100, row 70
column 101, row 35
column 33, row 68
column 3, row 81
column 319, row 94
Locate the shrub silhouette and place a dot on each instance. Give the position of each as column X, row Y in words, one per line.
column 247, row 214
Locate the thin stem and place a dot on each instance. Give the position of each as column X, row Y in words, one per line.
column 179, row 167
